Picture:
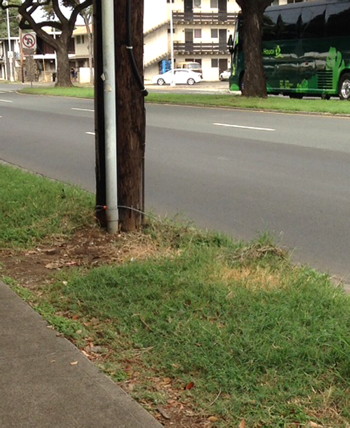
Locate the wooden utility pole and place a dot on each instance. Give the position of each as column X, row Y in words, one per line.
column 130, row 112
column 130, row 138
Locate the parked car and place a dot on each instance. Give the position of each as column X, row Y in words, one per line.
column 190, row 65
column 181, row 76
column 225, row 75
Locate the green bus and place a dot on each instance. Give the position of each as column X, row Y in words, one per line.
column 306, row 50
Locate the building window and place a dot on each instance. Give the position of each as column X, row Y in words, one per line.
column 196, row 3
column 170, row 1
column 214, row 63
column 214, row 4
column 197, row 33
column 80, row 40
column 214, row 33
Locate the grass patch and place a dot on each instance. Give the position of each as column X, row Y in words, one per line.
column 273, row 356
column 282, row 104
column 77, row 92
column 33, row 208
column 229, row 331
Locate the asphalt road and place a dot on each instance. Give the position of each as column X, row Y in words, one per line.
column 240, row 172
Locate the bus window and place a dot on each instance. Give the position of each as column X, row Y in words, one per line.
column 270, row 25
column 313, row 22
column 288, row 27
column 338, row 18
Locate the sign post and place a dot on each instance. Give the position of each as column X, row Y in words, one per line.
column 28, row 47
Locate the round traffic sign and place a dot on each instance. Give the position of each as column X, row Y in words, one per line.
column 29, row 41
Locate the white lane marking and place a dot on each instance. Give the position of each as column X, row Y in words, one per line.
column 244, row 127
column 6, row 101
column 90, row 133
column 82, row 109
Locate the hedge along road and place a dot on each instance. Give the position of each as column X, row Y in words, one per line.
column 240, row 172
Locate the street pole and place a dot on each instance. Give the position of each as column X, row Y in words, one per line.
column 172, row 45
column 108, row 77
column 9, row 52
column 21, row 53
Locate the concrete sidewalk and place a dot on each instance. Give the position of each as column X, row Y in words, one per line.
column 46, row 382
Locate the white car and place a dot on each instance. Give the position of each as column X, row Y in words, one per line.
column 181, row 76
column 225, row 75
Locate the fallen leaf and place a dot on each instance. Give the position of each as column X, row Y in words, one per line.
column 50, row 250
column 163, row 413
column 52, row 266
column 74, row 363
column 190, row 385
column 243, row 424
column 314, row 425
column 213, row 419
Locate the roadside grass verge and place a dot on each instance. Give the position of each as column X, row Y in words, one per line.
column 33, row 207
column 231, row 332
column 77, row 92
column 273, row 103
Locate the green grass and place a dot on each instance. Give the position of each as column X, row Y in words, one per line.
column 77, row 92
column 282, row 104
column 274, row 354
column 33, row 208
column 259, row 339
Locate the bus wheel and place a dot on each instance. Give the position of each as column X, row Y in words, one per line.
column 344, row 87
column 296, row 96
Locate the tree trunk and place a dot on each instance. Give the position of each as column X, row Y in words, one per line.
column 254, row 81
column 63, row 68
column 130, row 117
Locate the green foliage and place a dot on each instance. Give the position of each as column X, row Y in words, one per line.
column 14, row 28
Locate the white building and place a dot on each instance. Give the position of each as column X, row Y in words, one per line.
column 200, row 32
column 6, row 62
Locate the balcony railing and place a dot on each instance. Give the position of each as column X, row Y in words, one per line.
column 204, row 18
column 200, row 48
